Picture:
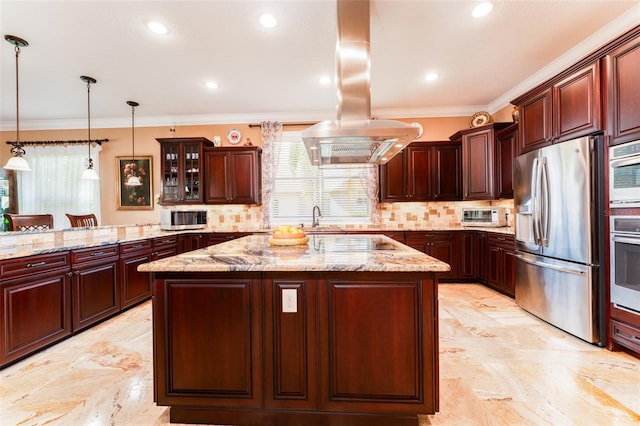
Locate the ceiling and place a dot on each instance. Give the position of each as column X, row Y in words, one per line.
column 272, row 74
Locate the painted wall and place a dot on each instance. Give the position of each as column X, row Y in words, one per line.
column 435, row 129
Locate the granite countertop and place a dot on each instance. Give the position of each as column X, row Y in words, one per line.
column 376, row 253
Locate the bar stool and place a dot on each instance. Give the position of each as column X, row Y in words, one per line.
column 82, row 220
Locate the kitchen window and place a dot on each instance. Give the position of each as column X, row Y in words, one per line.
column 343, row 193
column 54, row 185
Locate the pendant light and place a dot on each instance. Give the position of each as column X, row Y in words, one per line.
column 133, row 179
column 89, row 172
column 17, row 162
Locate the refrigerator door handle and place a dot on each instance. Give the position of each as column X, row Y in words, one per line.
column 535, row 201
column 549, row 265
column 545, row 203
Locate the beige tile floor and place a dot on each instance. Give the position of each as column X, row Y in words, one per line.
column 498, row 366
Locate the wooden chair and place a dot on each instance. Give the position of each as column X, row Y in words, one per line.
column 82, row 220
column 29, row 222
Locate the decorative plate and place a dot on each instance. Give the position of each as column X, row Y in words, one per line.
column 234, row 136
column 480, row 118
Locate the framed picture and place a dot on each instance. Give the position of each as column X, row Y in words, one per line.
column 134, row 197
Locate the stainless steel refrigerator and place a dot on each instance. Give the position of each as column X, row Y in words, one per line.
column 559, row 209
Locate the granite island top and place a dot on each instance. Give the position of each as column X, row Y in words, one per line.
column 355, row 252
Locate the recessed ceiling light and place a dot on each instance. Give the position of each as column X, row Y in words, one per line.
column 325, row 80
column 157, row 28
column 482, row 9
column 211, row 84
column 268, row 21
column 431, row 76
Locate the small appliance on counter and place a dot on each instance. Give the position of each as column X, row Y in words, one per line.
column 173, row 220
column 484, row 216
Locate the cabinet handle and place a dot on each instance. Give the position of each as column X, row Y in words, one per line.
column 502, row 239
column 97, row 253
column 70, row 274
column 33, row 265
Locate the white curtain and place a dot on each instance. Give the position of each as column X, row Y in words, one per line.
column 271, row 135
column 54, row 185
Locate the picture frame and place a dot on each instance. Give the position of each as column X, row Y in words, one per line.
column 134, row 197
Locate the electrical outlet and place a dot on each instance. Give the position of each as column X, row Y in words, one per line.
column 289, row 300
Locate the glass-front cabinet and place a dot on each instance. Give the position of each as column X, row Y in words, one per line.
column 181, row 171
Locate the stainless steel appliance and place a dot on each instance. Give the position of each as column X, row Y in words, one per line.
column 625, row 262
column 624, row 175
column 559, row 211
column 183, row 219
column 484, row 216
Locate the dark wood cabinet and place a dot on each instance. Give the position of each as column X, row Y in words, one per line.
column 360, row 348
column 181, row 169
column 233, row 175
column 560, row 110
column 95, row 288
column 480, row 255
column 478, row 161
column 624, row 330
column 423, row 171
column 191, row 241
column 443, row 245
column 500, row 263
column 164, row 247
column 134, row 286
column 35, row 295
column 214, row 238
column 623, row 92
column 506, row 145
column 466, row 253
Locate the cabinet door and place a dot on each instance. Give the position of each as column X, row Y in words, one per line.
column 290, row 340
column 135, row 286
column 191, row 173
column 36, row 312
column 418, row 173
column 95, row 293
column 466, row 264
column 623, row 90
column 245, row 179
column 446, row 175
column 477, row 165
column 181, row 169
column 393, row 178
column 536, row 129
column 509, row 283
column 494, row 265
column 577, row 104
column 207, row 342
column 480, row 255
column 217, row 169
column 170, row 160
column 506, row 144
column 190, row 242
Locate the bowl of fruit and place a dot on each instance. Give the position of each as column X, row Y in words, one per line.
column 288, row 236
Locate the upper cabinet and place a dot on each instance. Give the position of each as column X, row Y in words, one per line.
column 233, row 175
column 506, row 146
column 478, row 161
column 623, row 92
column 561, row 110
column 423, row 171
column 181, row 173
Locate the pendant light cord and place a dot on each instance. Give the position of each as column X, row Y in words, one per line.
column 17, row 48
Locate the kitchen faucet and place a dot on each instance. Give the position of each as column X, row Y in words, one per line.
column 315, row 221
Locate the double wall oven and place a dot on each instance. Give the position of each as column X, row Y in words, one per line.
column 624, row 192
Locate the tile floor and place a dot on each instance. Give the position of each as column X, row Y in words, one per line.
column 498, row 366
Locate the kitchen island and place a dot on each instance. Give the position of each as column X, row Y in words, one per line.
column 341, row 330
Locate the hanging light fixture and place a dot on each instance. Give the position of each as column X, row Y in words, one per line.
column 89, row 172
column 17, row 162
column 133, row 179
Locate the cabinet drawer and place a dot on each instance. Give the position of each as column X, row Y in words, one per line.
column 625, row 335
column 34, row 264
column 160, row 243
column 94, row 254
column 139, row 247
column 424, row 236
column 506, row 240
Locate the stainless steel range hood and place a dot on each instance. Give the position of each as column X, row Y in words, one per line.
column 355, row 138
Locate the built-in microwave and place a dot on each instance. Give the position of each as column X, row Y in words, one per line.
column 624, row 175
column 182, row 219
column 484, row 216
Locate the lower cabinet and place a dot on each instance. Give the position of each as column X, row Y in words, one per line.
column 190, row 241
column 443, row 245
column 624, row 330
column 36, row 304
column 96, row 293
column 134, row 286
column 500, row 263
column 164, row 247
column 214, row 238
column 358, row 349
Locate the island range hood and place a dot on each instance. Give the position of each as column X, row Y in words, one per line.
column 354, row 137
